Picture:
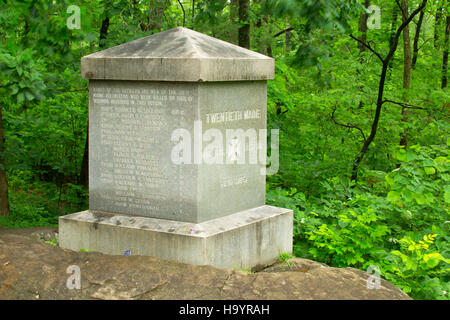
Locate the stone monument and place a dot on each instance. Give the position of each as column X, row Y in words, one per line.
column 171, row 174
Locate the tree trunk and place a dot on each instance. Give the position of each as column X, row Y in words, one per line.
column 380, row 101
column 437, row 24
column 193, row 13
column 269, row 51
column 4, row 199
column 184, row 12
column 392, row 34
column 395, row 12
column 376, row 119
column 244, row 30
column 406, row 67
column 234, row 8
column 416, row 39
column 287, row 39
column 362, row 26
column 103, row 32
column 257, row 29
column 84, row 173
column 445, row 54
column 155, row 11
column 269, row 39
column 406, row 48
column 263, row 25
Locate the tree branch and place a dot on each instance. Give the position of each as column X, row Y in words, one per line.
column 350, row 126
column 368, row 47
column 401, row 8
column 66, row 91
column 400, row 29
column 380, row 100
column 283, row 31
column 184, row 13
column 404, row 105
column 426, row 40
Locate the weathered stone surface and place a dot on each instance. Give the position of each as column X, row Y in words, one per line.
column 178, row 54
column 295, row 264
column 177, row 131
column 242, row 240
column 130, row 155
column 30, row 269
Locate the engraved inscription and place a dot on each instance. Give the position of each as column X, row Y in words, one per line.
column 132, row 126
column 228, row 116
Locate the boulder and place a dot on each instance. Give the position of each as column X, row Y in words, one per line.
column 30, row 268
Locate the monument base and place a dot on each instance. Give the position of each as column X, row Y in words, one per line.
column 245, row 240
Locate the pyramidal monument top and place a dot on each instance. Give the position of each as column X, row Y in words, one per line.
column 178, row 54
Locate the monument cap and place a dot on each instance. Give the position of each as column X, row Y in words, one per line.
column 178, row 54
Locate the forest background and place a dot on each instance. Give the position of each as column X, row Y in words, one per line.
column 360, row 98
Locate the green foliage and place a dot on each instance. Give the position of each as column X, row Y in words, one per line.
column 401, row 193
column 419, row 269
column 322, row 100
column 285, row 257
column 354, row 240
column 21, row 76
column 245, row 270
column 53, row 242
column 360, row 226
column 39, row 204
column 314, row 14
column 417, row 188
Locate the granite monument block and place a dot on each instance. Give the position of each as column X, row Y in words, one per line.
column 177, row 153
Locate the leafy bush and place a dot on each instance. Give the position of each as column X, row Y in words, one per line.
column 419, row 269
column 381, row 222
column 354, row 240
column 39, row 204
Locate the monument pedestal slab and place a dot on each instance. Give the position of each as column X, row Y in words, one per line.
column 247, row 239
column 178, row 154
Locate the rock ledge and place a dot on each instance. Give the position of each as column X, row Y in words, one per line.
column 32, row 269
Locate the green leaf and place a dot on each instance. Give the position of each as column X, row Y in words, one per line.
column 389, row 180
column 432, row 259
column 411, row 264
column 393, row 196
column 13, row 89
column 20, row 97
column 410, row 156
column 447, row 193
column 29, row 95
column 397, row 253
column 420, row 199
column 400, row 155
